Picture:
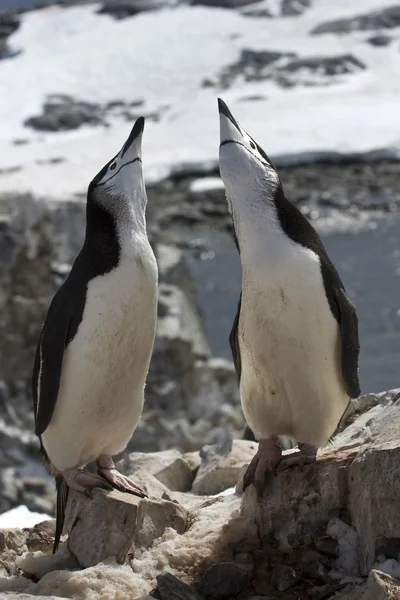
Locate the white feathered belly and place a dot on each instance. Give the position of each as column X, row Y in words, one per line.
column 105, row 366
column 291, row 382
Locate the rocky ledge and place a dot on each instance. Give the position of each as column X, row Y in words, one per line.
column 328, row 532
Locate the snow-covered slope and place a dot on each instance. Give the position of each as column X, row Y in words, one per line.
column 163, row 57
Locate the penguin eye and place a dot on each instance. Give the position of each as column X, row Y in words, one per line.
column 252, row 145
column 112, row 167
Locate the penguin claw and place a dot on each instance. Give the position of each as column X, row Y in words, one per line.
column 263, row 466
column 122, row 483
column 81, row 481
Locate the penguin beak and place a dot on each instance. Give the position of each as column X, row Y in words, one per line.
column 230, row 130
column 133, row 145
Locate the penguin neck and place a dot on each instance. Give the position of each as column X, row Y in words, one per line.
column 260, row 237
column 121, row 220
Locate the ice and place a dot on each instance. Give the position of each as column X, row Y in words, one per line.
column 21, row 517
column 163, row 57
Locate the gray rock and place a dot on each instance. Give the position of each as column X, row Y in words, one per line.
column 316, row 70
column 113, row 524
column 169, row 467
column 8, row 25
column 291, row 8
column 61, row 113
column 224, row 580
column 224, row 3
column 253, row 65
column 380, row 40
column 381, row 587
column 171, row 588
column 283, row 577
column 220, row 468
column 122, row 9
column 41, row 536
column 286, row 69
column 385, row 18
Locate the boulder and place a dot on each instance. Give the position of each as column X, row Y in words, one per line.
column 169, row 467
column 384, row 18
column 221, row 466
column 381, row 587
column 114, row 524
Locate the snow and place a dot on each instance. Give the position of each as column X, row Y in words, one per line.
column 21, row 517
column 163, row 57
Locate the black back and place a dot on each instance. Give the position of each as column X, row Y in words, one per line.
column 99, row 255
column 297, row 228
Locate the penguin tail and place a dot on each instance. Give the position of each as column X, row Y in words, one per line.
column 62, row 497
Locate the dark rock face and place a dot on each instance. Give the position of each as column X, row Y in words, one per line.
column 61, row 113
column 224, row 580
column 171, row 588
column 253, row 65
column 8, row 25
column 317, row 70
column 386, row 18
column 288, row 70
column 380, row 40
column 224, row 3
column 122, row 9
column 292, row 8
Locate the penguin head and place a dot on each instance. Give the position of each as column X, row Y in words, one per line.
column 121, row 179
column 245, row 168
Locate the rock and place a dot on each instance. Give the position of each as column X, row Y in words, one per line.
column 327, row 545
column 385, row 18
column 291, row 8
column 169, row 467
column 381, row 587
column 380, row 40
column 113, row 524
column 253, row 65
column 171, row 588
column 8, row 25
column 376, row 468
column 61, row 113
column 283, row 577
column 315, row 70
column 223, row 3
column 41, row 536
column 286, row 69
column 220, row 468
column 121, row 9
column 12, row 545
column 224, row 580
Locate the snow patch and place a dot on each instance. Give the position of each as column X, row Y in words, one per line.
column 21, row 517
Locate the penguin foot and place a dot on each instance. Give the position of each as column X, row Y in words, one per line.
column 81, row 481
column 307, row 455
column 106, row 468
column 263, row 464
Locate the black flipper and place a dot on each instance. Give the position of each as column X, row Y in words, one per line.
column 62, row 497
column 234, row 342
column 349, row 343
column 48, row 363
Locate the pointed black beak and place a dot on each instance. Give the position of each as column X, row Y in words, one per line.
column 224, row 110
column 137, row 129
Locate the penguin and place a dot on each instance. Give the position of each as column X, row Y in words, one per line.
column 294, row 339
column 94, row 349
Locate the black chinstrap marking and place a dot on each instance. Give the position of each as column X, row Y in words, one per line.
column 137, row 159
column 225, row 142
